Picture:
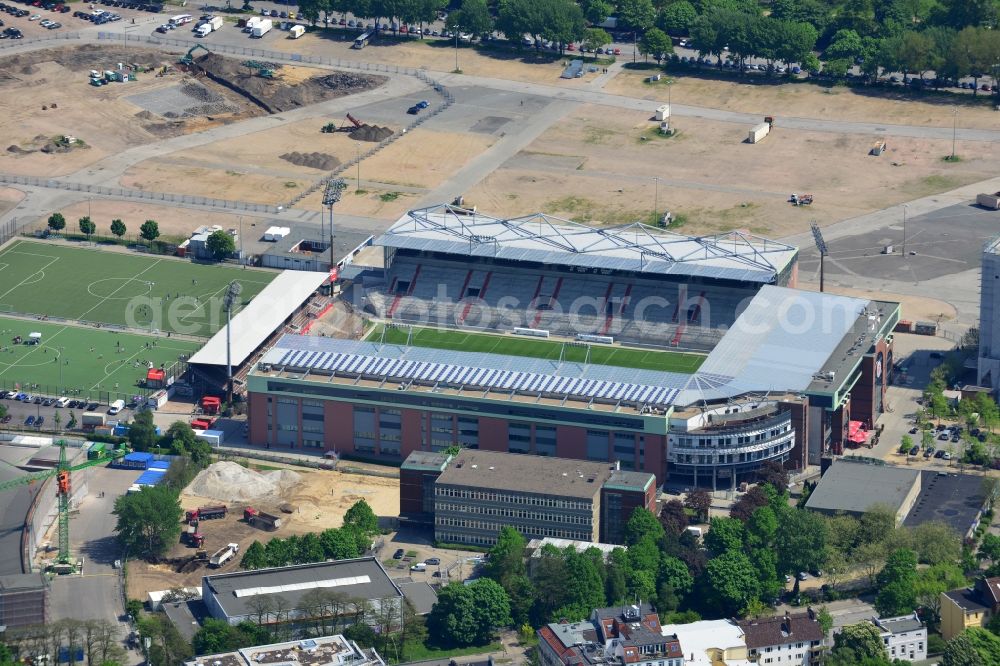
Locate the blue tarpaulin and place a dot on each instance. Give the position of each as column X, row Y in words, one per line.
column 150, row 477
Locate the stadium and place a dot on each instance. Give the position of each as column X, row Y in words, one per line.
column 694, row 359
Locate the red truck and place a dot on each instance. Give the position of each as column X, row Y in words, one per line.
column 206, row 513
column 258, row 518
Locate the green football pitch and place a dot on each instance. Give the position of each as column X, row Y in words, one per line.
column 623, row 357
column 139, row 291
column 84, row 361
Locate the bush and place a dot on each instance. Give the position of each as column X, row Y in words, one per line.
column 935, row 644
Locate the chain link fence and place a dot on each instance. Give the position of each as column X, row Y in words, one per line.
column 63, row 36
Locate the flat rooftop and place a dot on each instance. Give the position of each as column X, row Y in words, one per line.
column 545, row 239
column 362, row 578
column 539, row 475
column 900, row 625
column 425, row 461
column 954, row 499
column 854, row 487
column 325, row 651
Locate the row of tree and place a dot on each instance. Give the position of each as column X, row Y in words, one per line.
column 149, row 230
column 347, row 542
column 97, row 640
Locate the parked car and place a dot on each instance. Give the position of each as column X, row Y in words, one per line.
column 914, row 430
column 929, row 452
column 398, row 555
column 939, row 453
column 914, row 450
column 947, row 455
column 39, row 421
column 29, row 421
column 802, row 575
column 433, row 561
column 6, row 419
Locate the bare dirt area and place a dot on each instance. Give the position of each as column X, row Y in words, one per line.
column 437, row 55
column 242, row 182
column 54, row 98
column 9, row 198
column 805, row 100
column 599, row 165
column 318, row 502
column 172, row 221
column 424, row 158
column 917, row 308
column 286, row 87
column 372, row 200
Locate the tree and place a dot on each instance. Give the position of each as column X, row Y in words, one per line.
column 724, row 535
column 469, row 614
column 254, row 557
column 473, row 17
column 637, row 14
column 673, row 517
column 750, row 501
column 845, row 44
column 936, row 543
column 656, row 43
column 825, row 620
column 897, row 593
column 800, row 541
column 149, row 521
column 972, row 647
column 596, row 11
column 57, row 222
column 221, row 244
column 930, row 583
column 698, row 500
column 87, row 227
column 361, row 517
column 507, row 555
column 150, row 230
column 595, row 38
column 774, row 473
column 732, row 581
column 876, row 524
column 676, row 18
column 862, row 641
column 905, row 444
column 640, row 524
column 142, row 432
column 118, row 228
column 215, row 636
column 986, row 644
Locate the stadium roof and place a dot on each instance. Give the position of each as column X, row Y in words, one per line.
column 476, row 370
column 779, row 343
column 544, row 239
column 265, row 314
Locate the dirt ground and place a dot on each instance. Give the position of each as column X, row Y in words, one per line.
column 599, row 165
column 915, row 308
column 804, row 100
column 438, row 56
column 9, row 198
column 172, row 221
column 101, row 118
column 320, row 502
column 424, row 158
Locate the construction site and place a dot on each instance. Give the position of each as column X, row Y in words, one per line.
column 229, row 503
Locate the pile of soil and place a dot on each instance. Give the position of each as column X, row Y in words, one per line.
column 312, row 160
column 80, row 58
column 229, row 481
column 199, row 92
column 372, row 133
column 275, row 96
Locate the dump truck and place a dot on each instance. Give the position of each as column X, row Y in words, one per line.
column 206, row 513
column 260, row 519
column 91, row 420
column 223, row 555
column 193, row 538
column 262, row 28
column 991, row 201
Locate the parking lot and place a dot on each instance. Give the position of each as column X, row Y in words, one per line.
column 441, row 565
column 35, row 18
column 38, row 412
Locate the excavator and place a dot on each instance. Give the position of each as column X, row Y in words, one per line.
column 188, row 58
column 64, row 563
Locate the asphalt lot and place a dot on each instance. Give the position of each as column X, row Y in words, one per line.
column 937, row 244
column 455, row 564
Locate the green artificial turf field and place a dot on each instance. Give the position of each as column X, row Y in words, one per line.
column 140, row 291
column 511, row 345
column 73, row 360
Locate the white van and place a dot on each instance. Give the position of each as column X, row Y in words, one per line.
column 62, row 402
column 116, row 406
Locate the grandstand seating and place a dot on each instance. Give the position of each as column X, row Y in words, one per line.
column 437, row 291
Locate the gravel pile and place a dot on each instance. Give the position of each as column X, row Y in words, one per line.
column 200, row 92
column 372, row 133
column 312, row 160
column 228, row 481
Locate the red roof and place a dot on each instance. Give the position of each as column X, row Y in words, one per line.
column 155, row 375
column 857, row 433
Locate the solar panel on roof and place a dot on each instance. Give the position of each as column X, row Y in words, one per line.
column 284, row 358
column 451, row 373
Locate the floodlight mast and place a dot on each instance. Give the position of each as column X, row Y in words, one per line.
column 232, row 292
column 821, row 247
column 334, row 189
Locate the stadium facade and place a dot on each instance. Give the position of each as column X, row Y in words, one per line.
column 787, row 372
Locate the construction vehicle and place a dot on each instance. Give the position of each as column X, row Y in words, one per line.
column 329, row 128
column 262, row 520
column 65, row 564
column 206, row 513
column 223, row 555
column 188, row 58
column 800, row 199
column 192, row 537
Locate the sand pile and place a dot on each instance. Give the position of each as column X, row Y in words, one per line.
column 312, row 160
column 228, row 481
column 372, row 133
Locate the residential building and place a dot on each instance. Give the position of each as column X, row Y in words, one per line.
column 710, row 643
column 612, row 636
column 277, row 595
column 477, row 492
column 905, row 637
column 325, row 651
column 969, row 607
column 789, row 640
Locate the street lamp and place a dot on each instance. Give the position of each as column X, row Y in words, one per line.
column 232, row 292
column 334, row 190
column 954, row 131
column 358, row 162
column 905, row 207
column 456, row 49
column 656, row 199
